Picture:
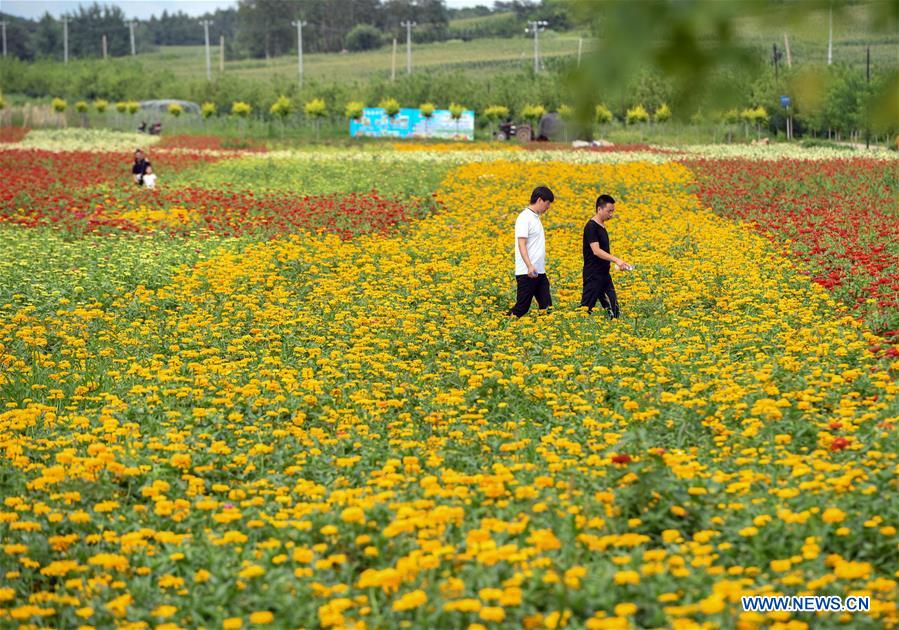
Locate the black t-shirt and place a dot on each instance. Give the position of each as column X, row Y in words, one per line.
column 595, row 233
column 140, row 166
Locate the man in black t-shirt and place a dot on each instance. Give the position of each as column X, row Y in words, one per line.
column 139, row 168
column 598, row 259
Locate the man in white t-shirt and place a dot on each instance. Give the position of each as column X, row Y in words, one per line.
column 530, row 254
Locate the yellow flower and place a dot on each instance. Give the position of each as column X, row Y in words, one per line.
column 250, row 572
column 164, row 611
column 780, row 566
column 492, row 613
column 625, row 609
column 353, row 515
column 627, row 577
column 260, row 618
column 833, row 515
column 711, row 605
column 410, row 601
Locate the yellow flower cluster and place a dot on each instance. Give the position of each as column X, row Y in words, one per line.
column 316, row 432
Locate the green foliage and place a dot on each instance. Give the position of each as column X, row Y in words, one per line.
column 566, row 112
column 636, row 114
column 388, row 173
column 427, row 109
column 603, row 114
column 133, row 107
column 391, row 106
column 533, row 113
column 81, row 106
column 730, row 116
column 354, row 110
column 207, row 110
column 754, row 115
column 175, row 109
column 100, row 105
column 316, row 108
column 662, row 114
column 364, row 37
column 496, row 112
column 241, row 109
column 121, row 107
column 59, row 105
column 281, row 108
column 456, row 111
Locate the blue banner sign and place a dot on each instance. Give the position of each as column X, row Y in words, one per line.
column 784, row 101
column 409, row 123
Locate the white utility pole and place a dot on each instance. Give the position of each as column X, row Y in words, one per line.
column 300, row 24
column 393, row 62
column 3, row 24
column 830, row 37
column 206, row 24
column 131, row 29
column 221, row 53
column 787, row 48
column 65, row 39
column 408, row 24
column 535, row 26
column 105, row 49
column 580, row 45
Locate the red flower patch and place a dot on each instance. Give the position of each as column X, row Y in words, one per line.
column 93, row 192
column 837, row 217
column 13, row 134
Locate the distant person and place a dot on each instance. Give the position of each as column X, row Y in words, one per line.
column 139, row 168
column 530, row 254
column 598, row 260
column 149, row 178
column 156, row 129
column 142, row 127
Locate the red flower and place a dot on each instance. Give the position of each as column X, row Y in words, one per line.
column 839, row 444
column 621, row 459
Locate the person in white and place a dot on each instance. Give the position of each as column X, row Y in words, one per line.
column 530, row 254
column 150, row 178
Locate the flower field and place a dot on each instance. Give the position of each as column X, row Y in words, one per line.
column 279, row 392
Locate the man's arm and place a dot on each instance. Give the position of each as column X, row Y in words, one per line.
column 604, row 255
column 523, row 249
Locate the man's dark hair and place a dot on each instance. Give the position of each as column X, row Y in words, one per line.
column 542, row 192
column 603, row 200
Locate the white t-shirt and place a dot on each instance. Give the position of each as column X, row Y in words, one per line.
column 150, row 180
column 528, row 225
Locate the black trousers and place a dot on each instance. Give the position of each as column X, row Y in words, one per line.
column 528, row 289
column 598, row 286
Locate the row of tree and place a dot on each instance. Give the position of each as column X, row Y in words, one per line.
column 825, row 99
column 264, row 28
column 317, row 108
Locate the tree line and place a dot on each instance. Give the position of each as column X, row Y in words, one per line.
column 264, row 28
column 843, row 102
